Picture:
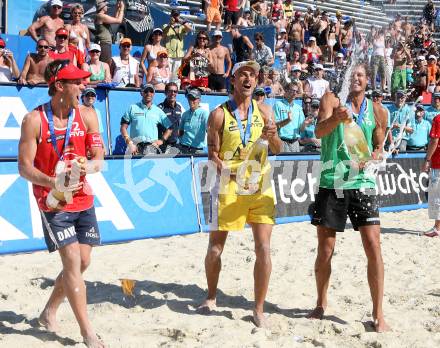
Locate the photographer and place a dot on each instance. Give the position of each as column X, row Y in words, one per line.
column 173, row 35
column 8, row 66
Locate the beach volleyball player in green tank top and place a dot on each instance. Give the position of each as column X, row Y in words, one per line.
column 346, row 190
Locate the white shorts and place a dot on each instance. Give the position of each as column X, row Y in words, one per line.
column 434, row 195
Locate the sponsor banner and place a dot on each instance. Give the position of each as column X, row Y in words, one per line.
column 17, row 101
column 295, row 180
column 134, row 199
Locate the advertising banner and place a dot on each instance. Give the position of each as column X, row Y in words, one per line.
column 17, row 101
column 134, row 199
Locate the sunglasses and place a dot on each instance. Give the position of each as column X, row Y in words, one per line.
column 90, row 95
column 148, row 90
column 260, row 94
column 56, row 6
column 202, row 38
column 77, row 13
column 173, row 91
column 43, row 46
column 315, row 106
column 1, row 47
column 293, row 90
column 125, row 46
column 95, row 51
column 61, row 37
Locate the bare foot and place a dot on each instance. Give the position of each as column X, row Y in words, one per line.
column 93, row 341
column 317, row 313
column 48, row 321
column 206, row 307
column 260, row 320
column 381, row 326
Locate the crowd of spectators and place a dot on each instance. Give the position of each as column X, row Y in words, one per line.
column 309, row 58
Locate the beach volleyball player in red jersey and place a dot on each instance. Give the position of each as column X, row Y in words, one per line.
column 56, row 140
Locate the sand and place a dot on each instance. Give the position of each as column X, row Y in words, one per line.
column 171, row 282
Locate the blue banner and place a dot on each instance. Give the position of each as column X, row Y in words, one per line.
column 17, row 101
column 134, row 199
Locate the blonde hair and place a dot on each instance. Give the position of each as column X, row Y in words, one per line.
column 77, row 7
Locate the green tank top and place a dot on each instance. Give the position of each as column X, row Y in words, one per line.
column 335, row 158
column 99, row 76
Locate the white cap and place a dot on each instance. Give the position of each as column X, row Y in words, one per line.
column 421, row 58
column 432, row 57
column 95, row 47
column 217, row 33
column 247, row 63
column 56, row 3
column 340, row 55
column 318, row 66
column 296, row 68
column 157, row 29
column 283, row 30
column 312, row 38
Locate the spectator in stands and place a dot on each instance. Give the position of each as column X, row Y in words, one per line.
column 346, row 38
column 262, row 53
column 419, row 138
column 378, row 59
column 432, row 71
column 275, row 82
column 48, row 25
column 308, row 22
column 100, row 70
column 259, row 95
column 289, row 118
column 159, row 73
column 262, row 10
column 173, row 34
column 303, row 60
column 421, row 74
column 63, row 50
column 389, row 63
column 293, row 60
column 151, row 49
column 199, row 59
column 316, row 86
column 307, row 105
column 246, row 19
column 173, row 109
column 88, row 98
column 295, row 76
column 313, row 50
column 322, row 32
column 143, row 119
column 124, row 68
column 401, row 120
column 35, row 65
column 213, row 12
column 434, row 109
column 220, row 58
column 308, row 138
column 331, row 39
column 192, row 129
column 232, row 13
column 8, row 66
column 401, row 56
column 78, row 32
column 296, row 34
column 103, row 31
column 288, row 10
column 429, row 14
column 282, row 48
column 242, row 45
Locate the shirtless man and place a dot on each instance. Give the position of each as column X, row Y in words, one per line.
column 262, row 12
column 48, row 25
column 348, row 194
column 296, row 34
column 230, row 208
column 35, row 65
column 219, row 53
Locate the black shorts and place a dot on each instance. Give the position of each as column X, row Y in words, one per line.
column 231, row 17
column 62, row 228
column 216, row 82
column 332, row 207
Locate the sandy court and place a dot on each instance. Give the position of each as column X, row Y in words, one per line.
column 171, row 281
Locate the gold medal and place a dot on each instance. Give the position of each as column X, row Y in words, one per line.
column 244, row 152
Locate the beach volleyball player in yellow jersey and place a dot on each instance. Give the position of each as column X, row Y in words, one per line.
column 234, row 129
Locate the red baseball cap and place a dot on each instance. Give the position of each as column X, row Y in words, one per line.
column 2, row 42
column 297, row 14
column 69, row 72
column 62, row 31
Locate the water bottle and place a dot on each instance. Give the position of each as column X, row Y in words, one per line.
column 356, row 143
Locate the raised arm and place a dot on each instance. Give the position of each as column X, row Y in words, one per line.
column 330, row 115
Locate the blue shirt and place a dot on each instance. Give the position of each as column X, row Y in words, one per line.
column 193, row 124
column 291, row 130
column 143, row 121
column 399, row 116
column 309, row 131
column 420, row 136
column 430, row 113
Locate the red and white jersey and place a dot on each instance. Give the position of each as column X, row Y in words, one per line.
column 46, row 159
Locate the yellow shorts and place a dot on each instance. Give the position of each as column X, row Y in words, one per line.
column 232, row 212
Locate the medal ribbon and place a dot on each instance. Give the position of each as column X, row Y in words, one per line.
column 360, row 117
column 244, row 135
column 53, row 137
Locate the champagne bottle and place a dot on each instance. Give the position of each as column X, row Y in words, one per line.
column 70, row 176
column 356, row 143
